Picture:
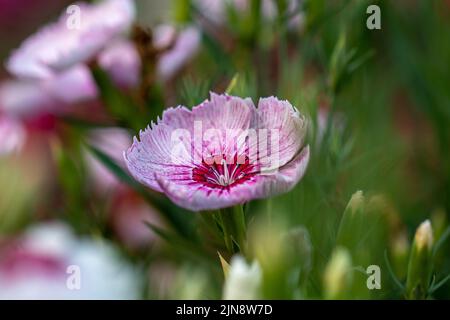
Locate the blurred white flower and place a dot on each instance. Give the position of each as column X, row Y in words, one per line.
column 38, row 266
column 243, row 281
column 216, row 10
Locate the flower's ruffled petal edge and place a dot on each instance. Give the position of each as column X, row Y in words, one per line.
column 224, row 118
column 281, row 117
column 152, row 154
column 286, row 178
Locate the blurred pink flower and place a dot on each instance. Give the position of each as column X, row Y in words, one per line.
column 128, row 211
column 245, row 153
column 23, row 98
column 12, row 135
column 129, row 214
column 72, row 86
column 122, row 62
column 29, row 98
column 40, row 263
column 51, row 65
column 112, row 142
column 185, row 46
column 60, row 45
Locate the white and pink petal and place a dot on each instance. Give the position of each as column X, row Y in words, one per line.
column 63, row 44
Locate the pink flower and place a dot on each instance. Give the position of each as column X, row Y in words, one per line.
column 71, row 86
column 45, row 261
column 51, row 65
column 244, row 153
column 29, row 98
column 185, row 46
column 64, row 44
column 12, row 135
column 21, row 98
column 129, row 213
column 122, row 62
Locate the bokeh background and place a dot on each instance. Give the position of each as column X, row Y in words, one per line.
column 378, row 103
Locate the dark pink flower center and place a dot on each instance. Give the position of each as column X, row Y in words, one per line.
column 219, row 174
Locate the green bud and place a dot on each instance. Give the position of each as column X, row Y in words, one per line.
column 267, row 244
column 338, row 275
column 300, row 246
column 352, row 222
column 420, row 262
column 190, row 283
column 399, row 251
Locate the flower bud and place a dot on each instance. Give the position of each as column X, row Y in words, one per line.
column 338, row 274
column 352, row 222
column 190, row 283
column 399, row 251
column 300, row 246
column 420, row 262
column 267, row 243
column 243, row 281
column 424, row 236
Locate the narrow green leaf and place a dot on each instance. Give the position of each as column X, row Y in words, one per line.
column 438, row 285
column 441, row 241
column 232, row 83
column 392, row 274
column 118, row 104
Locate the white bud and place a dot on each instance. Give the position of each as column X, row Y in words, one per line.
column 424, row 236
column 243, row 281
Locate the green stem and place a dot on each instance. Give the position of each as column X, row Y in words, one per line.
column 233, row 228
